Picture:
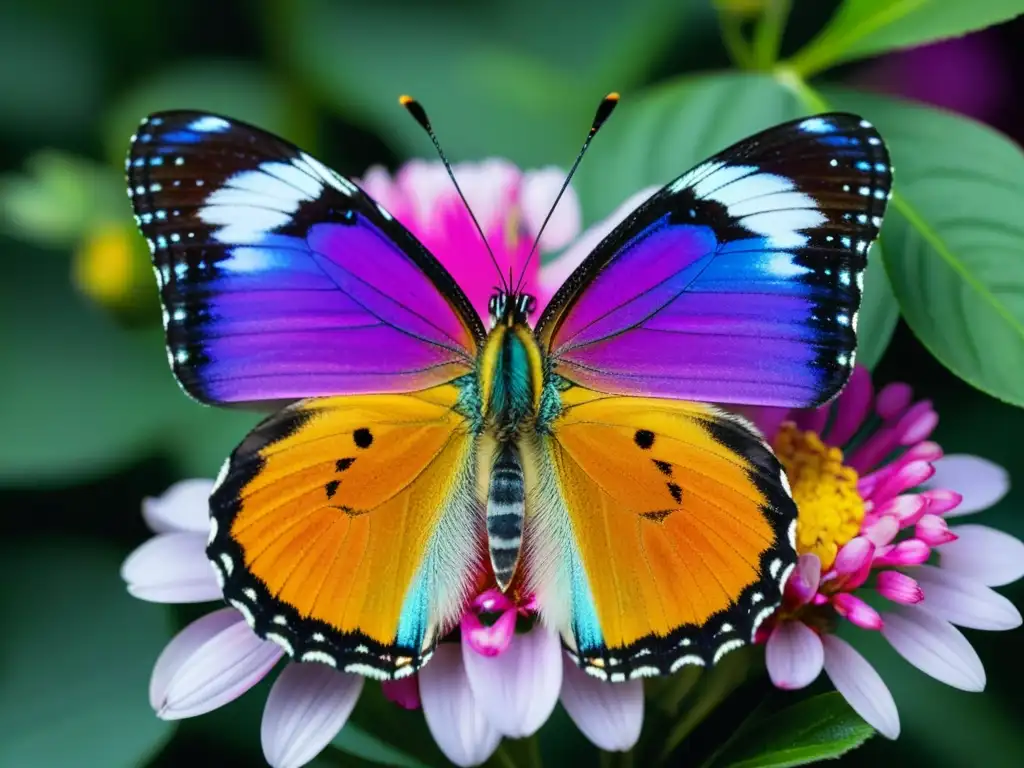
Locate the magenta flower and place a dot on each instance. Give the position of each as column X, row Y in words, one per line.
column 874, row 497
column 502, row 681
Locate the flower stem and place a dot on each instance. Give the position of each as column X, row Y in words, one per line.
column 732, row 38
column 768, row 36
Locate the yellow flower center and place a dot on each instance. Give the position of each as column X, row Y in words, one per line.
column 829, row 509
column 104, row 265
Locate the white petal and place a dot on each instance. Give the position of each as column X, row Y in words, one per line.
column 171, row 568
column 609, row 714
column 185, row 506
column 981, row 482
column 306, row 707
column 536, row 196
column 992, row 557
column 518, row 689
column 793, row 655
column 455, row 719
column 554, row 273
column 964, row 601
column 861, row 686
column 934, row 646
column 212, row 661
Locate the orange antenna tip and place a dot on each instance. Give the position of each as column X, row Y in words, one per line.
column 405, row 99
column 613, row 96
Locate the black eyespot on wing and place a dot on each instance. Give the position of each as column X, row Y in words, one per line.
column 644, row 438
column 363, row 438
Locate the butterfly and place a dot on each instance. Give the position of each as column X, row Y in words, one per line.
column 582, row 456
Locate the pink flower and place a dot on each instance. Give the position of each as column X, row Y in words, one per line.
column 509, row 204
column 874, row 497
column 499, row 681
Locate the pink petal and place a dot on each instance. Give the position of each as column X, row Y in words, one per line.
column 538, row 192
column 171, row 568
column 936, row 647
column 893, row 400
column 610, row 715
column 307, row 706
column 984, row 554
column 933, row 531
column 491, row 187
column 804, row 580
column 883, row 530
column 861, row 686
column 378, row 184
column 909, row 552
column 941, row 501
column 554, row 273
column 852, row 407
column 853, row 556
column 185, row 506
column 793, row 655
column 405, row 692
column 917, row 423
column 212, row 661
column 488, row 640
column 982, row 483
column 909, row 475
column 453, row 715
column 899, row 588
column 907, row 509
column 518, row 690
column 964, row 601
column 493, row 601
column 424, row 185
column 856, row 611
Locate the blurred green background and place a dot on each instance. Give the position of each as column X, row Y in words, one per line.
column 92, row 420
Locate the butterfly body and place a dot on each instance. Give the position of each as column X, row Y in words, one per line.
column 419, row 458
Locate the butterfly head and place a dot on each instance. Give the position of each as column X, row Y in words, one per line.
column 510, row 308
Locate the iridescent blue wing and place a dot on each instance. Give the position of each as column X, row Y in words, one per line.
column 281, row 279
column 740, row 281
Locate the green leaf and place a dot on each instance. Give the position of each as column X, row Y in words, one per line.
column 668, row 129
column 237, row 90
column 818, row 728
column 491, row 83
column 879, row 311
column 77, row 654
column 952, row 238
column 59, row 197
column 353, row 740
column 867, row 27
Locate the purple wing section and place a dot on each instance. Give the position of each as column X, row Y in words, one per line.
column 281, row 279
column 737, row 283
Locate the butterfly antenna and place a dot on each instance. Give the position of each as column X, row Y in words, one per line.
column 416, row 110
column 604, row 109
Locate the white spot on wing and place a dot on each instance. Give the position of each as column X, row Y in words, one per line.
column 209, row 124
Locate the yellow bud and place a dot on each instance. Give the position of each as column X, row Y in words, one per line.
column 111, row 267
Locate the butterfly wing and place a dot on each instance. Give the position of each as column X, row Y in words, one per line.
column 661, row 532
column 737, row 283
column 281, row 279
column 347, row 530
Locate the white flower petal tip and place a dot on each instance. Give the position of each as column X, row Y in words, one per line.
column 610, row 715
column 992, row 557
column 307, row 706
column 861, row 686
column 171, row 568
column 518, row 690
column 185, row 506
column 212, row 661
column 980, row 482
column 964, row 601
column 794, row 655
column 453, row 715
column 538, row 192
column 804, row 581
column 936, row 647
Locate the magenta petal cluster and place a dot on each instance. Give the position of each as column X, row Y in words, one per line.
column 908, row 493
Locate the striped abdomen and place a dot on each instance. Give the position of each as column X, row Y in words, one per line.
column 506, row 505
